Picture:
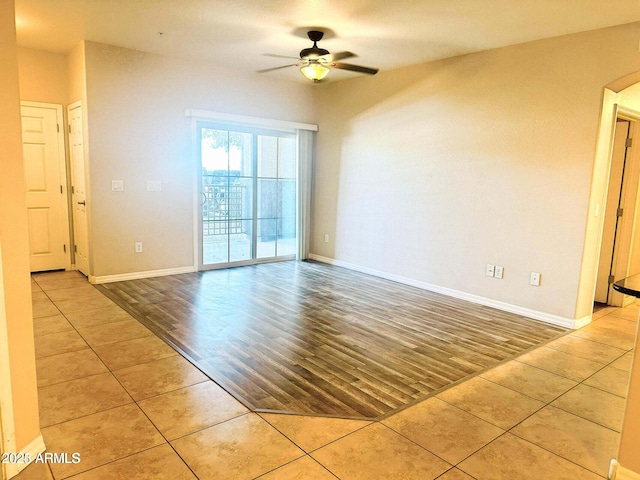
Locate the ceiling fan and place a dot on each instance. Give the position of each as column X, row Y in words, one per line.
column 315, row 62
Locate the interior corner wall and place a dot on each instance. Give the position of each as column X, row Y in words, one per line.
column 14, row 239
column 430, row 172
column 138, row 131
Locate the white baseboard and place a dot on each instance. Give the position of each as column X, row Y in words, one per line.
column 618, row 472
column 32, row 450
column 488, row 302
column 121, row 277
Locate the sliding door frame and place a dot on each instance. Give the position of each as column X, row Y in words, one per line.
column 258, row 126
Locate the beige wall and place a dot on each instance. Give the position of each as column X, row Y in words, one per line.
column 433, row 171
column 138, row 131
column 43, row 76
column 14, row 239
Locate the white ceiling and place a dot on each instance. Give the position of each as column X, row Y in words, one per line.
column 383, row 33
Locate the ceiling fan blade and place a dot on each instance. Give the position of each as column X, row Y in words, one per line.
column 332, row 57
column 354, row 68
column 279, row 56
column 276, row 68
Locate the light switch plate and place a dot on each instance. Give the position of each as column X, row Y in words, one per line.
column 117, row 185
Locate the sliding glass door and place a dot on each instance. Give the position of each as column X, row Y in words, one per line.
column 248, row 195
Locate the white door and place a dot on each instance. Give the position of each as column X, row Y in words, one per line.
column 46, row 183
column 78, row 189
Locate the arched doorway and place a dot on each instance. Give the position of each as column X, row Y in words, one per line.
column 623, row 103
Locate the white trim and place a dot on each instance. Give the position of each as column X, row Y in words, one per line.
column 618, row 472
column 121, row 277
column 488, row 302
column 31, row 451
column 582, row 322
column 249, row 121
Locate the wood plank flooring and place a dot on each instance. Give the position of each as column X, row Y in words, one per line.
column 309, row 338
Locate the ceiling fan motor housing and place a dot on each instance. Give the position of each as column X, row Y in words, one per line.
column 315, row 36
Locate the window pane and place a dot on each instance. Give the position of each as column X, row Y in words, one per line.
column 215, row 151
column 286, row 157
column 286, row 198
column 241, row 241
column 240, row 154
column 215, row 242
column 267, row 156
column 215, row 198
column 286, row 242
column 241, row 197
column 267, row 198
column 266, row 238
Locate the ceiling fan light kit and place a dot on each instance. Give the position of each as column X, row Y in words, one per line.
column 315, row 71
column 315, row 62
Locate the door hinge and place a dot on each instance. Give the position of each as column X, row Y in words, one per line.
column 73, row 190
column 628, row 142
column 64, row 247
column 58, row 127
column 61, row 189
column 69, row 128
column 75, row 248
column 619, row 212
column 610, row 279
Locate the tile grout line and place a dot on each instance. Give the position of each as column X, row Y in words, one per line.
column 373, row 421
column 545, row 405
column 136, row 402
column 133, row 402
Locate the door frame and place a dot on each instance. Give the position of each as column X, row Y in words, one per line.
column 622, row 229
column 72, row 106
column 614, row 103
column 255, row 133
column 303, row 178
column 63, row 165
column 623, row 246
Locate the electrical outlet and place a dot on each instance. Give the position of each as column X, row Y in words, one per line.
column 138, row 247
column 498, row 272
column 117, row 185
column 326, row 238
column 534, row 279
column 154, row 186
column 490, row 271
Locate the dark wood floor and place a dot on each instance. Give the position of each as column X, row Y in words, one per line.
column 310, row 338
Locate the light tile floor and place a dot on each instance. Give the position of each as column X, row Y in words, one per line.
column 135, row 409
